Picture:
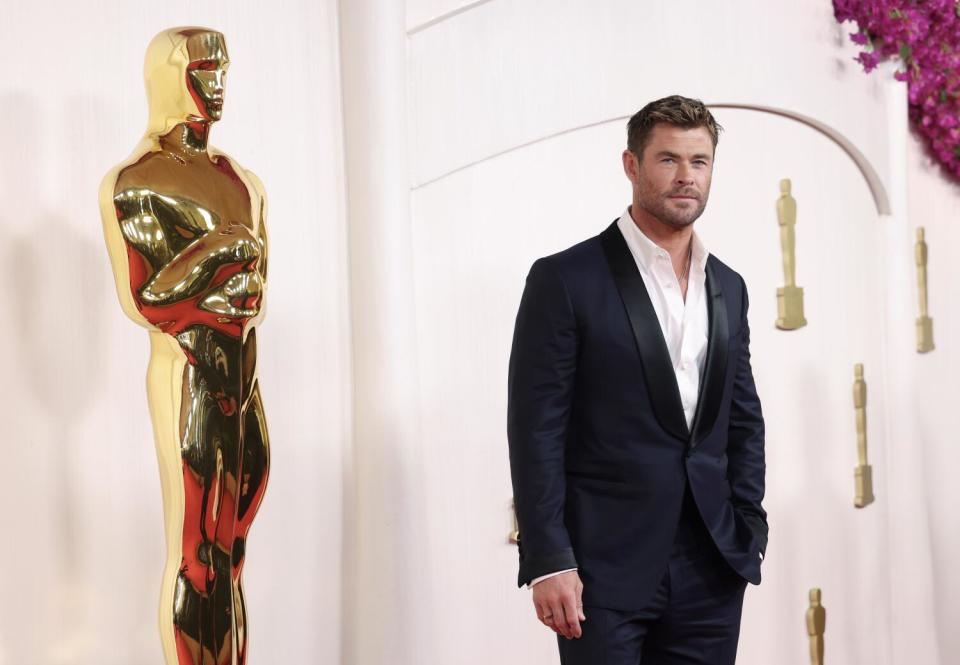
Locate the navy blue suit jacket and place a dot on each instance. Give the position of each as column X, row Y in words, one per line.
column 600, row 451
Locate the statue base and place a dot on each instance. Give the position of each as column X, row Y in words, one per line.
column 924, row 334
column 790, row 308
column 863, row 481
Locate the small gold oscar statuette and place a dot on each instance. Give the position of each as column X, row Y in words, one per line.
column 790, row 297
column 863, row 474
column 514, row 536
column 816, row 626
column 924, row 322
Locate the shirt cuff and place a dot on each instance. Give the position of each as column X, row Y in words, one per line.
column 537, row 580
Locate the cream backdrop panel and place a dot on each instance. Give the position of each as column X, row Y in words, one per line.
column 530, row 68
column 934, row 203
column 83, row 546
column 489, row 80
column 383, row 532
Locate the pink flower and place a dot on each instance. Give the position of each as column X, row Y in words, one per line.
column 925, row 36
column 868, row 60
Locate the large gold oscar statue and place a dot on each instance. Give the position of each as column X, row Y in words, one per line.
column 184, row 225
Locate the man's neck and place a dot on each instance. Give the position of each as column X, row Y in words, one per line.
column 675, row 241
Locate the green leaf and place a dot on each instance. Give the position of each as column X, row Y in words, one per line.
column 905, row 52
column 957, row 9
column 895, row 13
column 943, row 96
column 956, row 151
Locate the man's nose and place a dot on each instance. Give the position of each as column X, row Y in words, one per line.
column 684, row 175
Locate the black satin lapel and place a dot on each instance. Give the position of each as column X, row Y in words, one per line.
column 654, row 355
column 711, row 385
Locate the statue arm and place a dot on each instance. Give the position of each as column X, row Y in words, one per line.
column 261, row 217
column 140, row 226
column 117, row 247
column 184, row 274
column 191, row 271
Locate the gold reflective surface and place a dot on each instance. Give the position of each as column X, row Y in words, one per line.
column 514, row 535
column 790, row 296
column 924, row 322
column 184, row 226
column 863, row 473
column 816, row 626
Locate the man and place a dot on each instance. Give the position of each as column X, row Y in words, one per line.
column 636, row 434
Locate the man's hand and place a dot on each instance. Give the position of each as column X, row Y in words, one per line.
column 559, row 604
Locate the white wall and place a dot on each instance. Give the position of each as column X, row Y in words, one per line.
column 934, row 201
column 83, row 546
column 408, row 197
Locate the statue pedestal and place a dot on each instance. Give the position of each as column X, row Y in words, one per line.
column 924, row 334
column 790, row 308
column 863, row 480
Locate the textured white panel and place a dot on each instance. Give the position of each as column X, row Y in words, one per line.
column 934, row 203
column 422, row 14
column 513, row 70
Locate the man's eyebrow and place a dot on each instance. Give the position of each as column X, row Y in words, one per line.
column 667, row 153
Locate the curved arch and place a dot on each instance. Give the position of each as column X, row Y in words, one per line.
column 420, row 27
column 877, row 188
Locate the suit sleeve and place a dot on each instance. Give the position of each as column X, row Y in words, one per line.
column 543, row 365
column 745, row 441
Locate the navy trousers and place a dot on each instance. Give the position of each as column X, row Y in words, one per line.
column 692, row 619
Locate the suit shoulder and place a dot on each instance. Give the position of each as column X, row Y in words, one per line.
column 577, row 258
column 725, row 272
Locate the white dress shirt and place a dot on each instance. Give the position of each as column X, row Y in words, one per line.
column 684, row 324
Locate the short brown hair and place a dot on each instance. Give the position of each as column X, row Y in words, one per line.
column 674, row 110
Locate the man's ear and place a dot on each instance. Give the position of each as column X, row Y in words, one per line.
column 631, row 167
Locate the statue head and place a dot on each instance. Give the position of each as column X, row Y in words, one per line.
column 815, row 596
column 184, row 70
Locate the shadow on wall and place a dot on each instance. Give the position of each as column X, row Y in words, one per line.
column 54, row 301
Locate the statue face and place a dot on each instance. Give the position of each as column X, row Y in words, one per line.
column 206, row 73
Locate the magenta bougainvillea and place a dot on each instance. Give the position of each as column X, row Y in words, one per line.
column 925, row 36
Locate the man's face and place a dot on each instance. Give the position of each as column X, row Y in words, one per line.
column 672, row 181
column 207, row 72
